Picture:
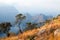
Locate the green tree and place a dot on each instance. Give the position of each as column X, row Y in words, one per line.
column 58, row 14
column 54, row 18
column 19, row 19
column 5, row 27
column 47, row 21
column 58, row 17
column 30, row 26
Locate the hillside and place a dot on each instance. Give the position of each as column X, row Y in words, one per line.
column 50, row 31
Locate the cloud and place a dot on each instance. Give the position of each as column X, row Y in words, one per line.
column 38, row 5
column 9, row 2
column 34, row 5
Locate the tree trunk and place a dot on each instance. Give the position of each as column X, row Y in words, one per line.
column 19, row 27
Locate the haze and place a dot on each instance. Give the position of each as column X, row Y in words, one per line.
column 35, row 6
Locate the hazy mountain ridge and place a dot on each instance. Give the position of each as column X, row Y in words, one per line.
column 8, row 13
column 41, row 18
column 50, row 31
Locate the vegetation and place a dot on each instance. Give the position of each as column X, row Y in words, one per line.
column 49, row 29
column 19, row 19
column 56, row 17
column 46, row 32
column 58, row 14
column 30, row 26
column 5, row 27
column 47, row 21
column 31, row 37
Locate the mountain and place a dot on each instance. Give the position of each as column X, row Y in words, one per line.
column 40, row 18
column 7, row 13
column 29, row 18
column 49, row 31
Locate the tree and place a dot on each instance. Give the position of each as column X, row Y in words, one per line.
column 47, row 21
column 58, row 16
column 54, row 18
column 5, row 27
column 30, row 26
column 19, row 19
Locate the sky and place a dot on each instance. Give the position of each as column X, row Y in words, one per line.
column 35, row 6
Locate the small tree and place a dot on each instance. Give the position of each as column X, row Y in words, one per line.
column 19, row 19
column 5, row 27
column 54, row 18
column 30, row 26
column 47, row 21
column 58, row 16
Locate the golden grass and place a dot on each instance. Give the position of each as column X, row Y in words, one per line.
column 46, row 35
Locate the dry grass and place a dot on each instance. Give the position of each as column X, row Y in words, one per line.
column 45, row 32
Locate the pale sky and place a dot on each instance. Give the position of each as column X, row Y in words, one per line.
column 35, row 6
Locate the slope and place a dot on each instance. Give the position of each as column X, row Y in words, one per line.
column 50, row 31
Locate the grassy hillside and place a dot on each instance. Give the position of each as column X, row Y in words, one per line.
column 50, row 31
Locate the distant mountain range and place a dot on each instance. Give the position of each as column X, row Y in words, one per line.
column 8, row 13
column 50, row 31
column 40, row 18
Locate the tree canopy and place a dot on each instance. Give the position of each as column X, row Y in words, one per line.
column 5, row 27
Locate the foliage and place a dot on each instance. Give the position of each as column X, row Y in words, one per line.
column 59, row 15
column 19, row 19
column 5, row 27
column 54, row 18
column 31, row 37
column 36, row 33
column 30, row 26
column 47, row 21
